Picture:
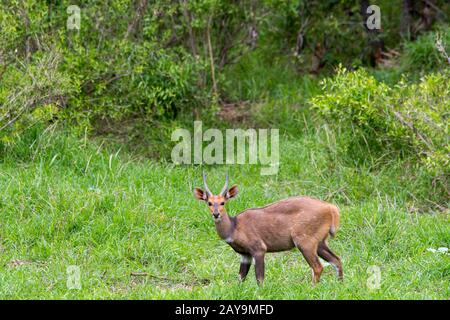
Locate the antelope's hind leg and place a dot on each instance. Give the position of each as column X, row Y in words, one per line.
column 325, row 253
column 308, row 249
column 246, row 262
column 259, row 267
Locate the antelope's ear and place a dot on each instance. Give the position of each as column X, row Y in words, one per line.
column 232, row 192
column 200, row 194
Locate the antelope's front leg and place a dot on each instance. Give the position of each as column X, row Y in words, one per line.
column 246, row 261
column 259, row 268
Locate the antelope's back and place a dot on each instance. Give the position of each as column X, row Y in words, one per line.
column 290, row 212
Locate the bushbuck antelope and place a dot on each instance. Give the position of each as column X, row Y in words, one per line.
column 300, row 222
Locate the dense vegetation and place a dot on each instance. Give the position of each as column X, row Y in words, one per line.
column 86, row 116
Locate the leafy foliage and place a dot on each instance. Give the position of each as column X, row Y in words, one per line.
column 31, row 93
column 373, row 118
column 422, row 55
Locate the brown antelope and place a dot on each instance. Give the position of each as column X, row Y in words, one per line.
column 300, row 222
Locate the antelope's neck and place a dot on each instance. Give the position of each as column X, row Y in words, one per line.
column 225, row 227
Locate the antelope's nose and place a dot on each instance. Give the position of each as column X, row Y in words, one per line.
column 216, row 215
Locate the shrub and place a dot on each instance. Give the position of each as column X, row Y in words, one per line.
column 408, row 119
column 138, row 80
column 30, row 94
column 421, row 55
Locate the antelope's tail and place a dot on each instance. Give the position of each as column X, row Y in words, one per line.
column 334, row 211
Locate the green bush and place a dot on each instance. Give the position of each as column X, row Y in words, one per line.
column 141, row 80
column 409, row 119
column 31, row 93
column 422, row 56
column 114, row 70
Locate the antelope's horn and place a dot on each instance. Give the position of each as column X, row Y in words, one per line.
column 208, row 193
column 225, row 187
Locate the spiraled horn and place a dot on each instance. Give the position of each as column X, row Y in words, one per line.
column 208, row 193
column 225, row 187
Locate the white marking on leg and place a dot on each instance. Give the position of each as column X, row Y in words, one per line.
column 245, row 259
column 335, row 268
column 324, row 263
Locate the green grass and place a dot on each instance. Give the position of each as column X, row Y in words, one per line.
column 67, row 202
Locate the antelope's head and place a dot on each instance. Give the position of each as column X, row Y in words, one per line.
column 216, row 203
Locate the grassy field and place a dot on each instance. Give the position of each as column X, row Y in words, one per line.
column 90, row 95
column 68, row 201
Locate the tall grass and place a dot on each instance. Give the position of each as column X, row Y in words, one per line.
column 68, row 201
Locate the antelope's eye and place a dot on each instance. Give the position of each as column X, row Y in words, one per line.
column 222, row 203
column 209, row 204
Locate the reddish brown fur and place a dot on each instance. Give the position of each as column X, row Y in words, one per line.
column 301, row 222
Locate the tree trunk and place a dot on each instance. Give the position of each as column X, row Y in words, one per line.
column 211, row 57
column 188, row 17
column 133, row 26
column 406, row 18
